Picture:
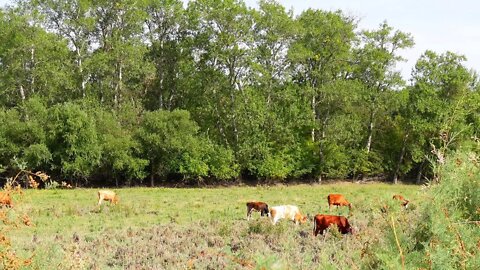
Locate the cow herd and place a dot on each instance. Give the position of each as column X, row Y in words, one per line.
column 289, row 212
column 320, row 222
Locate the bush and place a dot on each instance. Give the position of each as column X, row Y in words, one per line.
column 445, row 234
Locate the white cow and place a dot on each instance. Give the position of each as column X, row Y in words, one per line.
column 289, row 212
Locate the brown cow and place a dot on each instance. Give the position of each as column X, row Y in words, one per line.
column 401, row 199
column 107, row 195
column 5, row 199
column 322, row 222
column 257, row 206
column 338, row 200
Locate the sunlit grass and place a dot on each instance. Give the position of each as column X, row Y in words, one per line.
column 59, row 215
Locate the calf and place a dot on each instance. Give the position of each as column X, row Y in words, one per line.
column 338, row 200
column 289, row 212
column 107, row 195
column 5, row 199
column 322, row 222
column 257, row 206
column 401, row 199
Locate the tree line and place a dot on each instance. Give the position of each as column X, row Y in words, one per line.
column 137, row 92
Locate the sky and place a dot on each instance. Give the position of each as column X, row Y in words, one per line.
column 438, row 25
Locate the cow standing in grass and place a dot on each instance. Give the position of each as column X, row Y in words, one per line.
column 290, row 212
column 5, row 199
column 403, row 201
column 322, row 222
column 257, row 206
column 338, row 200
column 107, row 195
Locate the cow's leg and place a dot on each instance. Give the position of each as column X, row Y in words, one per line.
column 274, row 220
column 100, row 199
column 249, row 213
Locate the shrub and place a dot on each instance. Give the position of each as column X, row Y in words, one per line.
column 445, row 234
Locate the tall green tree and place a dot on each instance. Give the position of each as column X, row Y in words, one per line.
column 32, row 61
column 166, row 33
column 221, row 49
column 118, row 67
column 320, row 57
column 438, row 105
column 376, row 59
column 73, row 21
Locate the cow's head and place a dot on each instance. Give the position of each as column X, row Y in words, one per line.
column 301, row 218
column 265, row 211
column 115, row 199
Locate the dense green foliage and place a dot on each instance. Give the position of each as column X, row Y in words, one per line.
column 444, row 234
column 120, row 92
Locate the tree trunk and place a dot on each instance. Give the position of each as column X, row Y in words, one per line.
column 314, row 112
column 32, row 75
column 420, row 172
column 370, row 132
column 152, row 175
column 152, row 180
column 83, row 83
column 118, row 86
column 22, row 92
column 234, row 117
column 400, row 159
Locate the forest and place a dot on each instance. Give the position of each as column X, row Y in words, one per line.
column 149, row 92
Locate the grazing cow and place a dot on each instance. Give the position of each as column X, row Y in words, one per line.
column 257, row 206
column 322, row 222
column 5, row 199
column 402, row 200
column 107, row 195
column 338, row 200
column 289, row 212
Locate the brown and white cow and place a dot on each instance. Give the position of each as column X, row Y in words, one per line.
column 257, row 206
column 322, row 222
column 107, row 195
column 290, row 212
column 5, row 199
column 338, row 200
column 401, row 199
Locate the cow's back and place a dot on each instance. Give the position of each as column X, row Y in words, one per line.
column 291, row 211
column 284, row 211
column 335, row 198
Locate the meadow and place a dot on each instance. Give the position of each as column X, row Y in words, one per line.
column 202, row 228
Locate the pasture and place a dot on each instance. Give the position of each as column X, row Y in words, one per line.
column 203, row 228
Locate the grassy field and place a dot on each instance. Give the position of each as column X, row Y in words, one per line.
column 165, row 228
